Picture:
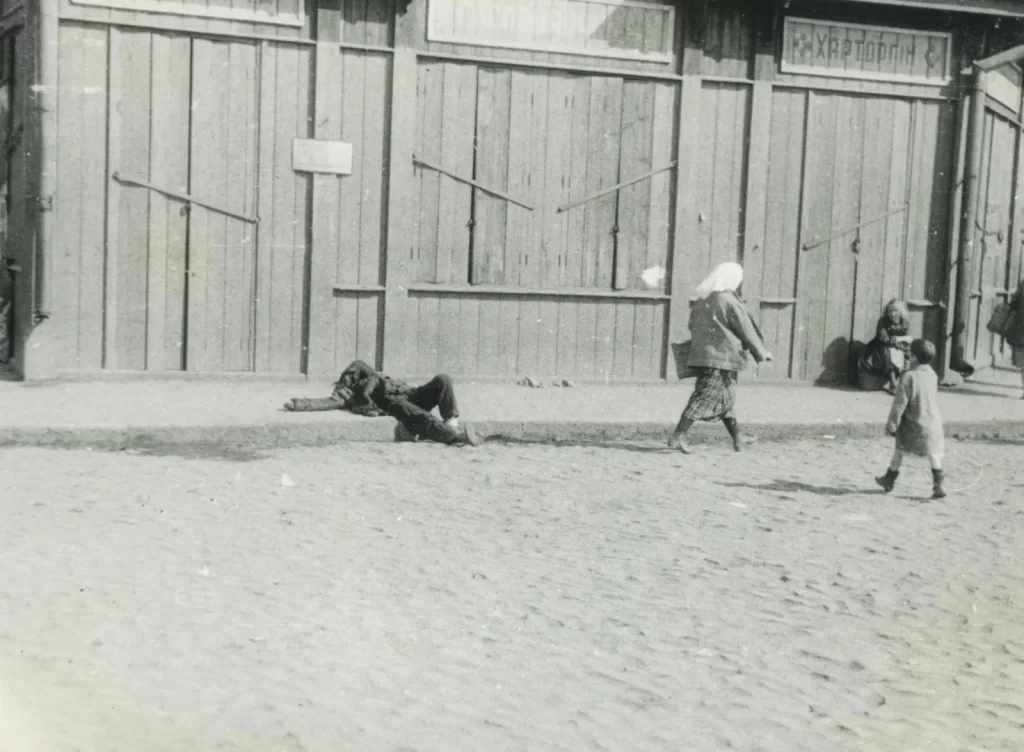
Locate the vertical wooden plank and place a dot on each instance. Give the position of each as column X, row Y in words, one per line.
column 573, row 272
column 508, row 346
column 266, row 181
column 531, row 321
column 168, row 222
column 240, row 169
column 816, row 210
column 488, row 338
column 465, row 361
column 603, row 172
column 556, row 178
column 841, row 259
column 586, row 338
column 133, row 241
column 350, row 102
column 518, row 222
column 454, row 213
column 431, row 100
column 782, row 218
column 625, row 318
column 321, row 358
column 67, row 263
column 643, row 340
column 531, row 263
column 875, row 201
column 686, row 210
column 287, row 250
column 428, row 335
column 449, row 352
column 201, row 161
column 371, row 240
column 756, row 195
column 94, row 185
column 604, row 339
column 634, row 200
column 208, row 235
column 662, row 149
column 492, row 166
column 710, row 174
column 898, row 190
column 402, row 188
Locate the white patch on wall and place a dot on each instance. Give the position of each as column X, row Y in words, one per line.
column 653, row 278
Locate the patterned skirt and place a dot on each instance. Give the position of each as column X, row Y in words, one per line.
column 714, row 396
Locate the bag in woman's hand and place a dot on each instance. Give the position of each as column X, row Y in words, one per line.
column 1002, row 314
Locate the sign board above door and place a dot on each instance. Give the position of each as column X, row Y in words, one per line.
column 328, row 157
column 875, row 53
column 627, row 29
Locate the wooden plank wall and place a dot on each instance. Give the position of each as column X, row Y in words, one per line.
column 194, row 22
column 545, row 139
column 357, row 103
column 990, row 270
column 507, row 335
column 418, row 10
column 721, row 178
column 224, row 138
column 81, row 164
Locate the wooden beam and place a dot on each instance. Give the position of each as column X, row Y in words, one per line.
column 113, row 198
column 401, row 207
column 685, row 218
column 547, row 292
column 324, row 231
column 755, row 195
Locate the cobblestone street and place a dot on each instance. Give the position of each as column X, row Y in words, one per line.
column 513, row 597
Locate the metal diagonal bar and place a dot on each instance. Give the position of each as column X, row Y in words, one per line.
column 467, row 181
column 612, row 189
column 184, row 197
column 815, row 244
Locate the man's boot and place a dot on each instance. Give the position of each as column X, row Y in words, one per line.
column 888, row 481
column 938, row 492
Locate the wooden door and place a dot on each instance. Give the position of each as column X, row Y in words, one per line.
column 993, row 265
column 853, row 235
column 222, row 246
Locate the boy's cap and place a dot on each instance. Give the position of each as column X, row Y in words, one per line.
column 923, row 350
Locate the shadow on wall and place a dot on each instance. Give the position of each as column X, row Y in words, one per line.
column 838, row 365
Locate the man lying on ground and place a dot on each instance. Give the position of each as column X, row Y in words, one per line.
column 362, row 390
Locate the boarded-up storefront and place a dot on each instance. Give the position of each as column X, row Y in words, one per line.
column 499, row 189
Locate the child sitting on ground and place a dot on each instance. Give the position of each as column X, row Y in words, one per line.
column 914, row 418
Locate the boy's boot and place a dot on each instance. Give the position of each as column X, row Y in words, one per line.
column 888, row 481
column 938, row 492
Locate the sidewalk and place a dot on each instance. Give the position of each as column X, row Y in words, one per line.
column 137, row 412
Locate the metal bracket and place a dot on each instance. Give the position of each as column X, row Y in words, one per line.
column 183, row 197
column 486, row 189
column 616, row 187
column 815, row 243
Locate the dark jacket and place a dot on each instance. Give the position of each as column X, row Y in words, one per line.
column 722, row 330
column 365, row 388
column 1015, row 330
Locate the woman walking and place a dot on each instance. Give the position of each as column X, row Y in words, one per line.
column 1015, row 330
column 722, row 331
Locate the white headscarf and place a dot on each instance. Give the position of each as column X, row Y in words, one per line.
column 724, row 277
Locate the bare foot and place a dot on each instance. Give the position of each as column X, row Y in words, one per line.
column 675, row 443
column 743, row 441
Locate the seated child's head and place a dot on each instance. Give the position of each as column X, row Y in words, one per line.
column 922, row 351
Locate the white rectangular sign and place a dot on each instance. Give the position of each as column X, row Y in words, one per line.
column 330, row 157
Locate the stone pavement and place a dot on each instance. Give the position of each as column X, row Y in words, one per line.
column 111, row 413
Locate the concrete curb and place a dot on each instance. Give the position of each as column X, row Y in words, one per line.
column 299, row 434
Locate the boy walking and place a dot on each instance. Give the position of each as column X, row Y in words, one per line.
column 915, row 420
